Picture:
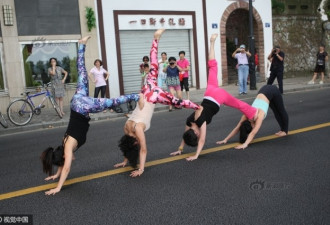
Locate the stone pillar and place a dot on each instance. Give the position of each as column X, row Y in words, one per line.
column 92, row 50
column 12, row 55
column 326, row 42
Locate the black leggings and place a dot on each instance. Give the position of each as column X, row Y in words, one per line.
column 276, row 104
column 184, row 83
column 276, row 73
column 98, row 89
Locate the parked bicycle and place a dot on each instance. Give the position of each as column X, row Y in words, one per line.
column 3, row 121
column 21, row 111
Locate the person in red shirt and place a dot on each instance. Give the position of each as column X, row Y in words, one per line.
column 184, row 64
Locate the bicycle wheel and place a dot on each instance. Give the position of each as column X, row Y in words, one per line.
column 56, row 107
column 3, row 121
column 20, row 112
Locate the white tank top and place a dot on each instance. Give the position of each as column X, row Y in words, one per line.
column 144, row 115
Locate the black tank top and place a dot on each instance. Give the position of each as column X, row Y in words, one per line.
column 209, row 110
column 77, row 128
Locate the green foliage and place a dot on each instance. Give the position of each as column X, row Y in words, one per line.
column 328, row 13
column 73, row 70
column 27, row 68
column 37, row 83
column 278, row 7
column 90, row 16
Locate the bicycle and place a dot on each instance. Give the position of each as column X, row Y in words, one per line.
column 3, row 121
column 21, row 111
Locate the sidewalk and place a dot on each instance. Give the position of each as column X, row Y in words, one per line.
column 48, row 118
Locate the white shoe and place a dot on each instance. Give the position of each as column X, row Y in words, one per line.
column 310, row 82
column 321, row 82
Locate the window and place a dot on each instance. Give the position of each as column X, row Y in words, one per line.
column 304, row 7
column 292, row 7
column 36, row 57
column 2, row 77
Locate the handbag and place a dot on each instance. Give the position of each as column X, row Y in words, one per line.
column 181, row 76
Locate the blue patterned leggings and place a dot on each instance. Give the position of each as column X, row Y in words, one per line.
column 82, row 103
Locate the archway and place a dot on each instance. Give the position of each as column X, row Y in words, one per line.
column 239, row 11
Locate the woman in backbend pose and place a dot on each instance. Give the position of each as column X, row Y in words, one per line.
column 195, row 131
column 133, row 143
column 75, row 135
column 268, row 96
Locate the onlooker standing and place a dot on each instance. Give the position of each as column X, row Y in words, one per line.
column 321, row 58
column 55, row 72
column 161, row 74
column 146, row 70
column 98, row 78
column 243, row 67
column 145, row 60
column 172, row 80
column 277, row 67
column 184, row 64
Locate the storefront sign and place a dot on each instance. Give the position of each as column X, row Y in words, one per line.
column 137, row 22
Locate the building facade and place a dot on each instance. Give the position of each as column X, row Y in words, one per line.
column 42, row 29
column 128, row 29
column 39, row 30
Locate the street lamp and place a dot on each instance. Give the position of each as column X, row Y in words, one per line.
column 252, row 67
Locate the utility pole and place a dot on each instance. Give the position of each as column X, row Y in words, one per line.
column 252, row 69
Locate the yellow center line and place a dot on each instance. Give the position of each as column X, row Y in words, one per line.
column 148, row 164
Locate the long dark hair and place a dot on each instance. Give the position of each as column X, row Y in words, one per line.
column 130, row 148
column 244, row 131
column 51, row 157
column 50, row 61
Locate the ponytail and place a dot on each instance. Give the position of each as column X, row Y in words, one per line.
column 51, row 157
column 47, row 160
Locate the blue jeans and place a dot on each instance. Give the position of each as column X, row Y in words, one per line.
column 243, row 73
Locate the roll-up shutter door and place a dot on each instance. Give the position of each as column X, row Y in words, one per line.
column 136, row 44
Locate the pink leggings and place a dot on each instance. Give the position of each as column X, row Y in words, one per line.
column 223, row 97
column 155, row 94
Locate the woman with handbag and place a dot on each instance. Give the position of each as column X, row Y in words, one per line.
column 321, row 58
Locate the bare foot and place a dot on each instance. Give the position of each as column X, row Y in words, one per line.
column 158, row 33
column 213, row 37
column 281, row 134
column 84, row 40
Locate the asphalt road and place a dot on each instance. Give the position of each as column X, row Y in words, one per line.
column 277, row 181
